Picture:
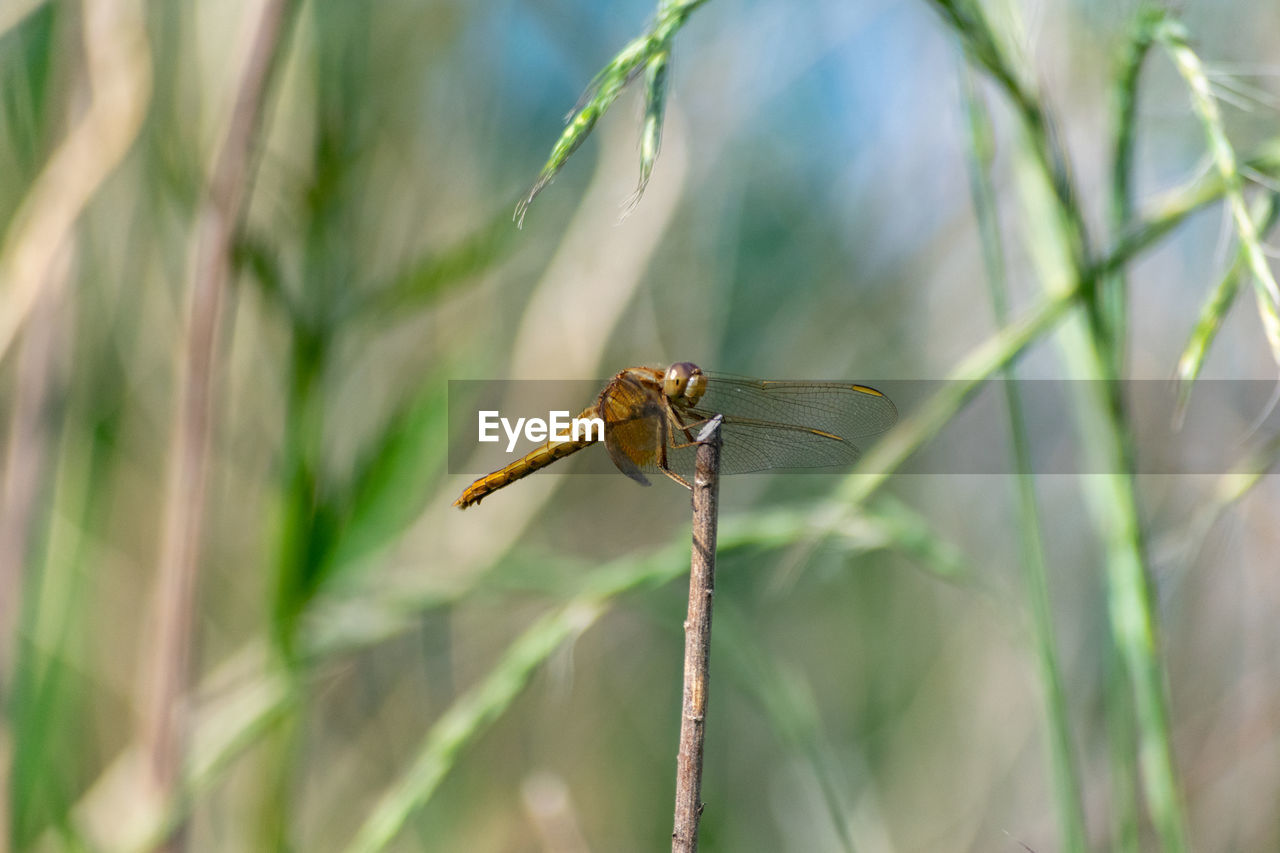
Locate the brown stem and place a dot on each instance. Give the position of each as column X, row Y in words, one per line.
column 185, row 498
column 697, row 641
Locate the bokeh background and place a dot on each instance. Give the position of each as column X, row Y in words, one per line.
column 361, row 663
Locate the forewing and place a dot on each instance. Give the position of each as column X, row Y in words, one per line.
column 786, row 424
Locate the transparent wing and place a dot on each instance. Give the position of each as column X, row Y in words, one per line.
column 784, row 424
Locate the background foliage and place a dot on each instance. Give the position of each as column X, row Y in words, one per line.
column 871, row 191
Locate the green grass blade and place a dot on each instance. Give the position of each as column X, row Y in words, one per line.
column 1062, row 250
column 1173, row 37
column 1173, row 210
column 1066, row 781
column 396, row 475
column 425, row 280
column 792, row 713
column 1131, row 611
column 648, row 53
column 984, row 362
column 1114, row 288
column 1218, row 303
column 655, row 102
column 468, row 718
column 903, row 529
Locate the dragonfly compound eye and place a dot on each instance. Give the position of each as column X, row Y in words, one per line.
column 684, row 381
column 673, row 384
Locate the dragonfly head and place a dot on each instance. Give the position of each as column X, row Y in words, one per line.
column 684, row 383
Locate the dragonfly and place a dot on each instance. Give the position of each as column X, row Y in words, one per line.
column 652, row 416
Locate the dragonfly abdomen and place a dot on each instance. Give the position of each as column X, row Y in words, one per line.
column 534, row 460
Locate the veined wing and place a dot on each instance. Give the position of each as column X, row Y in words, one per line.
column 787, row 424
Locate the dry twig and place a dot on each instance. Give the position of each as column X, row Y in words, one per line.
column 697, row 641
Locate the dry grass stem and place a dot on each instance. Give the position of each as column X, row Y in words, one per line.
column 697, row 641
column 169, row 668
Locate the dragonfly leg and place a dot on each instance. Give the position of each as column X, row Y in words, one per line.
column 686, row 428
column 681, row 480
column 662, row 456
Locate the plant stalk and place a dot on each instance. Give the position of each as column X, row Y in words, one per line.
column 697, row 641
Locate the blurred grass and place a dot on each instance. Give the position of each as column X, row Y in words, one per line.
column 1173, row 37
column 478, row 708
column 1066, row 780
column 1220, row 301
column 376, row 672
column 648, row 55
